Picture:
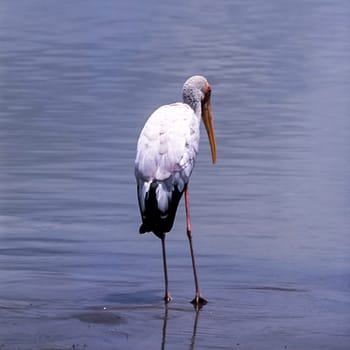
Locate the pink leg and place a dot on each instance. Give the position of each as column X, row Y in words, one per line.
column 167, row 296
column 198, row 299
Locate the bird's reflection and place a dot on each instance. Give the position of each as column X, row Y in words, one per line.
column 194, row 330
column 165, row 324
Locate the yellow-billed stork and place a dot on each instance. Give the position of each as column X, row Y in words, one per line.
column 166, row 153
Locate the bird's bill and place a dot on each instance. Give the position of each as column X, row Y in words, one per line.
column 209, row 126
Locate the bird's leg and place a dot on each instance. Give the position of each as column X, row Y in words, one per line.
column 167, row 296
column 198, row 299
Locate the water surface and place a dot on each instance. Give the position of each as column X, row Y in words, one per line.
column 270, row 220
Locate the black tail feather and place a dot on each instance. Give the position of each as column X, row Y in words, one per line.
column 155, row 220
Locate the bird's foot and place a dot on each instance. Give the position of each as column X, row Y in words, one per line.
column 198, row 301
column 167, row 298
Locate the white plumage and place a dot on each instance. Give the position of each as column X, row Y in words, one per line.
column 166, row 152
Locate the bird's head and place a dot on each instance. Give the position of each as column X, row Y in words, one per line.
column 197, row 88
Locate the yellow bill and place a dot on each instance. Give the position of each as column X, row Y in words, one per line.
column 209, row 126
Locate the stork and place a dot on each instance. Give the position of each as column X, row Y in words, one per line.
column 165, row 157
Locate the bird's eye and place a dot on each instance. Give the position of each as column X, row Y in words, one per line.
column 207, row 92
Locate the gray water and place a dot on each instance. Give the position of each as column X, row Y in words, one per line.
column 270, row 220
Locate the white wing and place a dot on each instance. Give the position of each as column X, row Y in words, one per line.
column 166, row 152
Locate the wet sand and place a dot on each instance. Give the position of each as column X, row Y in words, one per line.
column 275, row 318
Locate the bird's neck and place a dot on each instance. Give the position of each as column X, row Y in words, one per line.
column 194, row 101
column 197, row 108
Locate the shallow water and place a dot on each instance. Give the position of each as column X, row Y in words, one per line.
column 270, row 220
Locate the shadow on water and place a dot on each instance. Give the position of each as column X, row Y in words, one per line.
column 134, row 298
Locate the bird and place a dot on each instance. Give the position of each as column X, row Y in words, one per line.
column 165, row 158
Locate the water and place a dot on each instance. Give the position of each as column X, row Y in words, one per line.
column 270, row 220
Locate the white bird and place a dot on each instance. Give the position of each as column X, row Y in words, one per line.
column 166, row 153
